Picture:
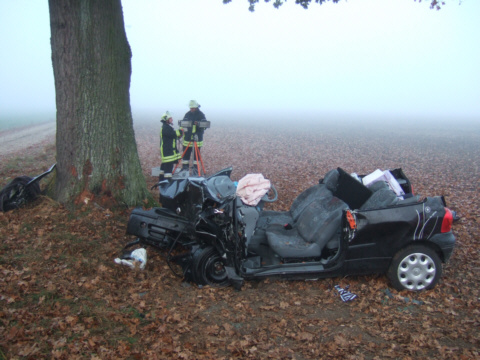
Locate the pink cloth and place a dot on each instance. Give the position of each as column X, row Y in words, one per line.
column 252, row 187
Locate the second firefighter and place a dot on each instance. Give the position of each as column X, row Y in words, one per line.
column 193, row 134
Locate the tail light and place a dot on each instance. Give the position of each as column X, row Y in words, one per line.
column 447, row 221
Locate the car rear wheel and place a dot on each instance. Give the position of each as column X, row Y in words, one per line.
column 209, row 268
column 415, row 268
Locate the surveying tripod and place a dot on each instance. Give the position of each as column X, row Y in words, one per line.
column 197, row 155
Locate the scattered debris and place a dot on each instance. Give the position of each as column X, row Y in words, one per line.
column 137, row 257
column 455, row 216
column 345, row 295
column 21, row 190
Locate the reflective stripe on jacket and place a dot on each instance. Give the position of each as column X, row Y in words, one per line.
column 190, row 143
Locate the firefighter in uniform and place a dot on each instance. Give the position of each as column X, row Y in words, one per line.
column 192, row 134
column 168, row 146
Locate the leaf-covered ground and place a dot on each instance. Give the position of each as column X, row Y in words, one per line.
column 63, row 297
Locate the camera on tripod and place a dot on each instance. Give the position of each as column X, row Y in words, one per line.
column 189, row 124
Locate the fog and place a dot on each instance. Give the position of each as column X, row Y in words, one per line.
column 363, row 60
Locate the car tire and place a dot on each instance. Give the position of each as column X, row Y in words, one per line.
column 415, row 268
column 209, row 268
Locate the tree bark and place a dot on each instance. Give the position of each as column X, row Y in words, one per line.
column 96, row 149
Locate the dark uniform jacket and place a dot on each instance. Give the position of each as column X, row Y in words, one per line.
column 194, row 130
column 168, row 143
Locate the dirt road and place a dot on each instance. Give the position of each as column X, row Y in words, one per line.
column 15, row 140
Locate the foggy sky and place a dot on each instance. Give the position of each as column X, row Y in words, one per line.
column 361, row 58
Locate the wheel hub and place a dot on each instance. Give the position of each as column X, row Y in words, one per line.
column 416, row 271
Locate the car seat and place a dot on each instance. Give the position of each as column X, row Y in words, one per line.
column 314, row 228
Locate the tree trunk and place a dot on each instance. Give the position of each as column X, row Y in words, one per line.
column 96, row 149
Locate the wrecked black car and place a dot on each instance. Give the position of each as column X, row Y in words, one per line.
column 341, row 226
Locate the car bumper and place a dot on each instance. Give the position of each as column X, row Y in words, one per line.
column 446, row 244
